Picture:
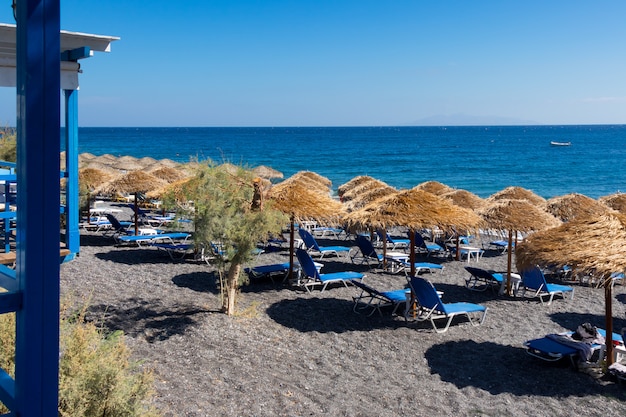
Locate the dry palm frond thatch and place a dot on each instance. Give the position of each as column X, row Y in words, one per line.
column 591, row 245
column 267, row 172
column 570, row 206
column 168, row 174
column 518, row 193
column 516, row 215
column 434, row 187
column 465, row 199
column 595, row 244
column 354, row 182
column 415, row 209
column 615, row 201
column 369, row 196
column 363, row 188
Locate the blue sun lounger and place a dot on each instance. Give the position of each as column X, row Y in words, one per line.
column 428, row 248
column 313, row 247
column 500, row 245
column 372, row 298
column 150, row 239
column 269, row 271
column 368, row 252
column 312, row 277
column 533, row 280
column 175, row 250
column 419, row 267
column 553, row 348
column 430, row 307
column 393, row 242
column 481, row 280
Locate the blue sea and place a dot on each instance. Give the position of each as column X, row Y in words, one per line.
column 481, row 159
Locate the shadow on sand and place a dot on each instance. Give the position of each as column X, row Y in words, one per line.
column 501, row 369
column 327, row 315
column 206, row 282
column 154, row 322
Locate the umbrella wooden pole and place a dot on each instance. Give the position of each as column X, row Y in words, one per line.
column 412, row 251
column 291, row 246
column 608, row 318
column 412, row 260
column 136, row 217
column 508, row 263
column 385, row 250
column 458, row 247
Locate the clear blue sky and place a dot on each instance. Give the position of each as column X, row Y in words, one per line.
column 348, row 63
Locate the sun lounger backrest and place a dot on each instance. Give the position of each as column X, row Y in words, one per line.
column 114, row 222
column 366, row 247
column 426, row 294
column 306, row 263
column 419, row 240
column 534, row 279
column 480, row 273
column 309, row 240
column 367, row 288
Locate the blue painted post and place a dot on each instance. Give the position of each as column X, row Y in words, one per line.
column 37, row 267
column 72, row 209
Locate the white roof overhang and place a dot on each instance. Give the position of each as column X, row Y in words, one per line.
column 70, row 41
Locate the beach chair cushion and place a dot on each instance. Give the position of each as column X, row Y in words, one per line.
column 370, row 297
column 430, row 306
column 313, row 277
column 312, row 245
column 534, row 280
column 268, row 271
column 481, row 280
column 367, row 250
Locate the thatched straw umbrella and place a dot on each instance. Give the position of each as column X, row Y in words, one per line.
column 615, row 201
column 434, row 187
column 465, row 199
column 168, row 163
column 100, row 166
column 594, row 244
column 134, row 182
column 179, row 190
column 92, row 178
column 518, row 216
column 146, row 161
column 368, row 196
column 570, row 206
column 354, row 182
column 315, row 182
column 168, row 174
column 313, row 176
column 363, row 188
column 518, row 193
column 123, row 164
column 105, row 159
column 267, row 172
column 127, row 158
column 296, row 198
column 86, row 156
column 414, row 209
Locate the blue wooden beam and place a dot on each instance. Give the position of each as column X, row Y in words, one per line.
column 72, row 211
column 7, row 390
column 76, row 54
column 10, row 302
column 37, row 243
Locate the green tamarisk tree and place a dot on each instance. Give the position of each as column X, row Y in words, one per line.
column 230, row 219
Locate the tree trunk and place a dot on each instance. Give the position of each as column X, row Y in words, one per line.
column 232, row 284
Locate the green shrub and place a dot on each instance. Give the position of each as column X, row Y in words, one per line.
column 8, row 145
column 96, row 375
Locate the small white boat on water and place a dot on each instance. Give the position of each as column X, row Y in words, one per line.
column 560, row 143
